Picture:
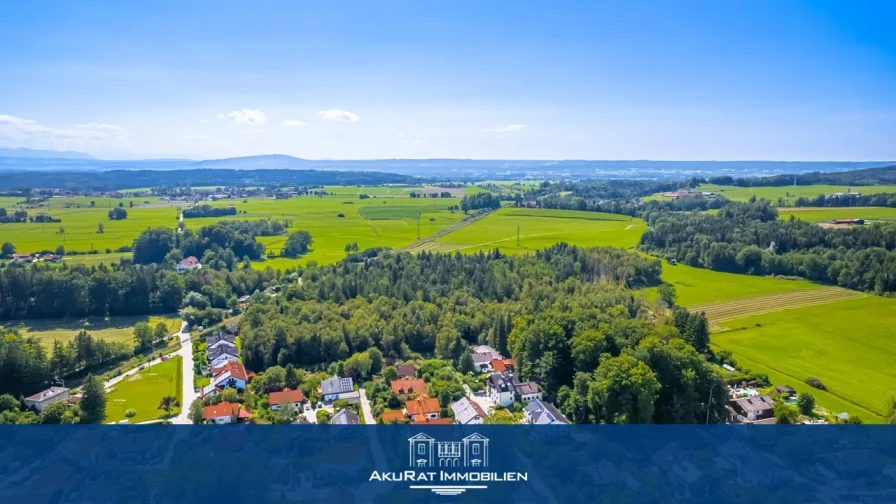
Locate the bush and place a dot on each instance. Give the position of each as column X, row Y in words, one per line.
column 806, row 403
column 816, row 383
column 131, row 413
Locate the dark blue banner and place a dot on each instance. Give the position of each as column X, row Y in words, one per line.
column 494, row 464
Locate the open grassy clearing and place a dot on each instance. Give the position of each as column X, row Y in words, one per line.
column 111, row 328
column 848, row 345
column 143, row 392
column 721, row 311
column 696, row 286
column 814, row 214
column 539, row 229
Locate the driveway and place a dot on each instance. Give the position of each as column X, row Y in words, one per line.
column 365, row 408
column 189, row 393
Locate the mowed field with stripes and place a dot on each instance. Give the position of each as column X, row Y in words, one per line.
column 792, row 330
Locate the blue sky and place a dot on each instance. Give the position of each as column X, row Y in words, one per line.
column 687, row 80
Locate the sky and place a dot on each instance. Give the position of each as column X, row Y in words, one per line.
column 594, row 79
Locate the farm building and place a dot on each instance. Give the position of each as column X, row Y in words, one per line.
column 853, row 222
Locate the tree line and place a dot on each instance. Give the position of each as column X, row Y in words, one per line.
column 208, row 211
column 749, row 238
column 848, row 200
column 478, row 201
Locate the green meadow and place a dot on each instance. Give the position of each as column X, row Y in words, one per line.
column 539, row 229
column 697, row 286
column 791, row 193
column 143, row 392
column 814, row 214
column 848, row 345
column 110, row 328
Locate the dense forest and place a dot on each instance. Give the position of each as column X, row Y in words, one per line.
column 868, row 176
column 229, row 241
column 848, row 200
column 567, row 315
column 483, row 200
column 749, row 238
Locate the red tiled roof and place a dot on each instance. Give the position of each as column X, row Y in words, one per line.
column 287, row 397
column 220, row 410
column 236, row 369
column 408, row 385
column 422, row 406
column 190, row 261
column 502, row 365
column 434, row 421
column 392, row 416
column 244, row 413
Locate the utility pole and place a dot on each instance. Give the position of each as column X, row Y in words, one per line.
column 517, row 235
column 418, row 226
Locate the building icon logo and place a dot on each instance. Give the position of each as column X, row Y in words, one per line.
column 426, row 452
column 449, row 467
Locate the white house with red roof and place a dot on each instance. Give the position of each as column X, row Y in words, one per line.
column 286, row 397
column 230, row 375
column 225, row 413
column 188, row 264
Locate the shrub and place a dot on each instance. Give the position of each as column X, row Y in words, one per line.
column 816, row 383
column 130, row 413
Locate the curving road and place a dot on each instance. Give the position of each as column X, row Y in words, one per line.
column 189, row 393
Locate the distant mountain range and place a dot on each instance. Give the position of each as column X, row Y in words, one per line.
column 20, row 160
column 22, row 152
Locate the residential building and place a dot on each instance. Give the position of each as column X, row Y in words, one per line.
column 345, row 417
column 225, row 413
column 467, row 412
column 500, row 389
column 230, row 375
column 188, row 264
column 753, row 467
column 407, row 386
column 389, row 417
column 294, row 398
column 41, row 399
column 423, row 407
column 226, row 334
column 538, row 412
column 527, row 392
column 503, row 365
column 339, row 388
column 752, row 409
column 221, row 354
column 432, row 421
column 483, row 355
column 406, row 370
column 25, row 258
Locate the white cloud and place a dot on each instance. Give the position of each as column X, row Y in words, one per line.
column 573, row 138
column 28, row 129
column 246, row 116
column 338, row 115
column 294, row 123
column 507, row 128
column 255, row 132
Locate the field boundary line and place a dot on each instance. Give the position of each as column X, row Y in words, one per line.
column 443, row 232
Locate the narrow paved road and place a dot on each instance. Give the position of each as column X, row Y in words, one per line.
column 365, row 408
column 189, row 393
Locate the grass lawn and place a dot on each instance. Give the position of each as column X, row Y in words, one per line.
column 112, row 328
column 848, row 345
column 539, row 229
column 143, row 392
column 790, row 192
column 696, row 286
column 813, row 214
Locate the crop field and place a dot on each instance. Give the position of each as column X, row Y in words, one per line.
column 143, row 392
column 847, row 344
column 791, row 192
column 111, row 329
column 814, row 214
column 721, row 311
column 699, row 286
column 540, row 229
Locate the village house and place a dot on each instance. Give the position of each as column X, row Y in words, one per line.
column 229, row 375
column 407, row 386
column 467, row 412
column 23, row 258
column 188, row 264
column 345, row 417
column 483, row 355
column 543, row 413
column 222, row 354
column 286, row 397
column 42, row 399
column 422, row 407
column 527, row 392
column 503, row 365
column 752, row 409
column 225, row 413
column 432, row 421
column 506, row 388
column 389, row 417
column 339, row 388
column 406, row 370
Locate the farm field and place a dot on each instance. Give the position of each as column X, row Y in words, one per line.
column 539, row 229
column 143, row 392
column 65, row 330
column 814, row 214
column 790, row 192
column 697, row 286
column 720, row 311
column 847, row 344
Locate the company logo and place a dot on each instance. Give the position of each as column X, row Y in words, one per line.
column 448, row 467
